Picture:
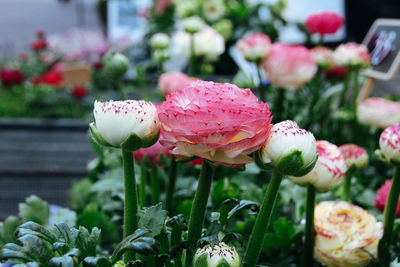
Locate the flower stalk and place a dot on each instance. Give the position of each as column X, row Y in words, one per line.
column 155, row 185
column 345, row 87
column 261, row 88
column 171, row 184
column 142, row 186
column 309, row 230
column 347, row 183
column 192, row 58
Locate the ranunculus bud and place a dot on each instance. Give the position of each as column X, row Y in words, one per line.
column 324, row 22
column 161, row 55
column 323, row 56
column 289, row 149
column 378, row 112
column 354, row 155
column 213, row 10
column 115, row 65
column 217, row 255
column 329, row 169
column 193, row 24
column 128, row 124
column 159, row 41
column 389, row 144
column 383, row 194
column 289, row 66
column 171, row 81
column 255, row 46
column 342, row 232
column 352, row 55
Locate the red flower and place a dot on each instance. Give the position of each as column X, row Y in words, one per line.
column 11, row 77
column 39, row 45
column 324, row 22
column 336, row 72
column 50, row 77
column 381, row 198
column 80, row 91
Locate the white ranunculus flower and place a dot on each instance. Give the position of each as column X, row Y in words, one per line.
column 193, row 24
column 159, row 41
column 289, row 149
column 209, row 43
column 213, row 10
column 352, row 55
column 116, row 121
column 218, row 255
column 389, row 144
column 354, row 155
column 378, row 112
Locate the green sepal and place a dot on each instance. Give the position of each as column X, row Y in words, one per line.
column 381, row 156
column 259, row 162
column 293, row 164
column 134, row 142
column 201, row 261
column 306, row 169
column 95, row 135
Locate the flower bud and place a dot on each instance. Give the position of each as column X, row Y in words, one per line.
column 329, row 169
column 115, row 65
column 159, row 41
column 352, row 55
column 217, row 255
column 254, row 47
column 389, row 144
column 289, row 149
column 128, row 124
column 354, row 156
column 161, row 55
column 193, row 24
column 378, row 112
column 323, row 56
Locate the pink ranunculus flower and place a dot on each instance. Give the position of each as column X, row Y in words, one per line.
column 389, row 144
column 216, row 121
column 324, row 22
column 378, row 112
column 381, row 198
column 352, row 55
column 289, row 66
column 329, row 169
column 254, row 47
column 354, row 155
column 153, row 153
column 323, row 56
column 171, row 81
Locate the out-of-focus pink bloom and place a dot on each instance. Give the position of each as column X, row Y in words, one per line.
column 171, row 81
column 381, row 198
column 336, row 72
column 324, row 22
column 11, row 77
column 352, row 55
column 389, row 144
column 79, row 92
column 153, row 153
column 255, row 46
column 216, row 121
column 323, row 56
column 354, row 155
column 378, row 112
column 59, row 67
column 161, row 5
column 50, row 78
column 289, row 66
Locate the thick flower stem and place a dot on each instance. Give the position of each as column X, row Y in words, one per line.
column 389, row 217
column 345, row 87
column 142, row 186
column 278, row 104
column 120, row 90
column 347, row 183
column 192, row 58
column 199, row 205
column 155, row 186
column 356, row 85
column 262, row 221
column 171, row 184
column 309, row 231
column 131, row 200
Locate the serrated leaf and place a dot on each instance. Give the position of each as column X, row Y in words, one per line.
column 34, row 209
column 88, row 242
column 32, row 228
column 38, row 249
column 7, row 230
column 153, row 218
column 63, row 261
column 96, row 262
column 122, row 246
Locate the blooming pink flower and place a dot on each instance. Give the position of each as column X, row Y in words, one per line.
column 289, row 66
column 324, row 22
column 216, row 121
column 354, row 155
column 381, row 198
column 161, row 5
column 352, row 55
column 171, row 81
column 255, row 46
column 11, row 77
column 153, row 153
column 378, row 112
column 323, row 56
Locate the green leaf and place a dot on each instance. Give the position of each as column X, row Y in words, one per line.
column 96, row 262
column 79, row 193
column 68, row 235
column 38, row 249
column 34, row 209
column 63, row 261
column 13, row 251
column 243, row 204
column 153, row 218
column 7, row 230
column 87, row 242
column 32, row 228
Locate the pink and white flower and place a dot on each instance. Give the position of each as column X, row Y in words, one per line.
column 354, row 155
column 323, row 56
column 352, row 55
column 378, row 112
column 325, row 22
column 171, row 81
column 216, row 121
column 389, row 144
column 153, row 153
column 383, row 194
column 329, row 169
column 289, row 66
column 255, row 46
column 216, row 255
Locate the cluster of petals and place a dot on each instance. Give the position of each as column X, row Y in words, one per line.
column 389, row 143
column 382, row 196
column 289, row 66
column 255, row 46
column 329, row 169
column 11, row 77
column 171, row 81
column 153, row 153
column 354, row 155
column 352, row 55
column 324, row 22
column 342, row 231
column 378, row 112
column 323, row 56
column 216, row 121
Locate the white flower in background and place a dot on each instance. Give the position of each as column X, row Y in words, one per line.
column 186, row 8
column 329, row 169
column 352, row 55
column 193, row 24
column 116, row 121
column 180, row 43
column 161, row 55
column 341, row 231
column 224, row 27
column 354, row 155
column 159, row 41
column 255, row 46
column 389, row 144
column 323, row 56
column 378, row 112
column 289, row 149
column 218, row 255
column 213, row 10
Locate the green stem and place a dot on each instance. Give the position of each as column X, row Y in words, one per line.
column 321, row 40
column 261, row 88
column 347, row 183
column 314, row 88
column 192, row 58
column 171, row 184
column 262, row 221
column 309, row 231
column 355, row 88
column 278, row 104
column 142, row 186
column 121, row 90
column 176, row 237
column 389, row 217
column 345, row 87
column 155, row 186
column 199, row 205
column 131, row 207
